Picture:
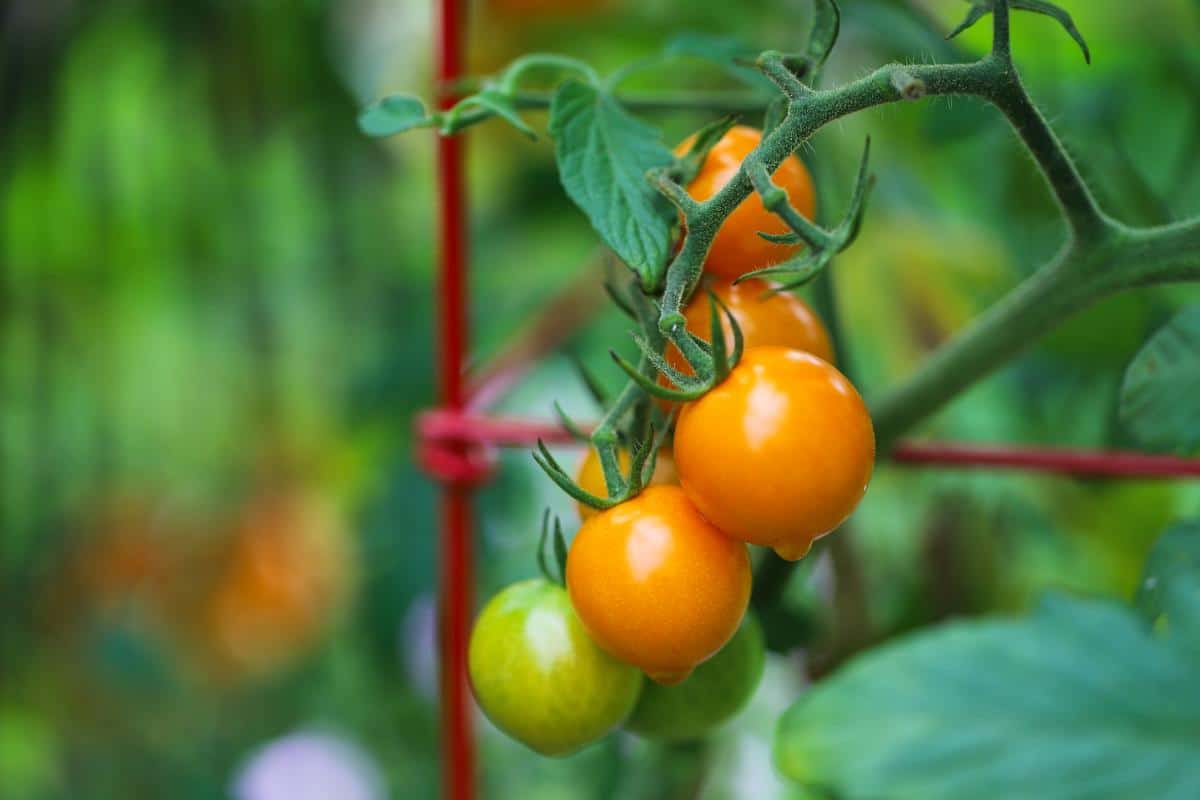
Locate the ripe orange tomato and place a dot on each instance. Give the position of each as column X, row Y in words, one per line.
column 737, row 248
column 779, row 453
column 656, row 585
column 765, row 318
column 591, row 475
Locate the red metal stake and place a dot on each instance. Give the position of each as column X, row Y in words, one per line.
column 456, row 583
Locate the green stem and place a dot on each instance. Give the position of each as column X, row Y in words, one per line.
column 723, row 102
column 1078, row 205
column 604, row 438
column 1162, row 254
column 1008, row 327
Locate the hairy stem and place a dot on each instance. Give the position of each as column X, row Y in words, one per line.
column 1083, row 272
column 604, row 438
column 1079, row 207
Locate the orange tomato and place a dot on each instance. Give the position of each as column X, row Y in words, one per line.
column 737, row 248
column 591, row 475
column 766, row 319
column 288, row 574
column 656, row 585
column 779, row 453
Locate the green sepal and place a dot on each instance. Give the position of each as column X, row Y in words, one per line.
column 978, row 10
column 577, row 433
column 650, row 386
column 981, row 8
column 803, row 267
column 556, row 473
column 559, row 542
column 594, row 389
column 560, row 550
column 688, row 165
column 1061, row 16
column 685, row 382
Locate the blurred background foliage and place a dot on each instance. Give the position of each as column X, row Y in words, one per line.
column 215, row 316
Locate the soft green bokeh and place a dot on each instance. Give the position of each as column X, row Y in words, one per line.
column 212, row 284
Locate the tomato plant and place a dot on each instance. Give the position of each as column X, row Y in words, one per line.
column 774, row 446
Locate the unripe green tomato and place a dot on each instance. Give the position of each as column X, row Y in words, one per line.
column 540, row 678
column 714, row 692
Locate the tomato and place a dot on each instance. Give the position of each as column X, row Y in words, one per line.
column 591, row 475
column 657, row 585
column 286, row 576
column 779, row 453
column 737, row 248
column 538, row 676
column 766, row 318
column 712, row 694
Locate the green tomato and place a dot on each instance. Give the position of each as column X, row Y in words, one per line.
column 714, row 692
column 540, row 678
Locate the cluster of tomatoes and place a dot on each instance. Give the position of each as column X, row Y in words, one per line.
column 777, row 454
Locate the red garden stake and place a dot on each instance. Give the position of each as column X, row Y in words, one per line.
column 456, row 575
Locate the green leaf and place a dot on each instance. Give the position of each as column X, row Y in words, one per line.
column 1170, row 586
column 499, row 104
column 394, row 114
column 603, row 156
column 1159, row 395
column 725, row 52
column 1078, row 702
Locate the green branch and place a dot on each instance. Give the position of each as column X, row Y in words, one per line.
column 1083, row 272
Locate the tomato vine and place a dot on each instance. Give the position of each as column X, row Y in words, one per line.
column 634, row 193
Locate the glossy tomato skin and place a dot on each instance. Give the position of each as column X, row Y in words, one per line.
column 737, row 248
column 779, row 453
column 590, row 477
column 714, row 692
column 538, row 676
column 657, row 585
column 765, row 317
